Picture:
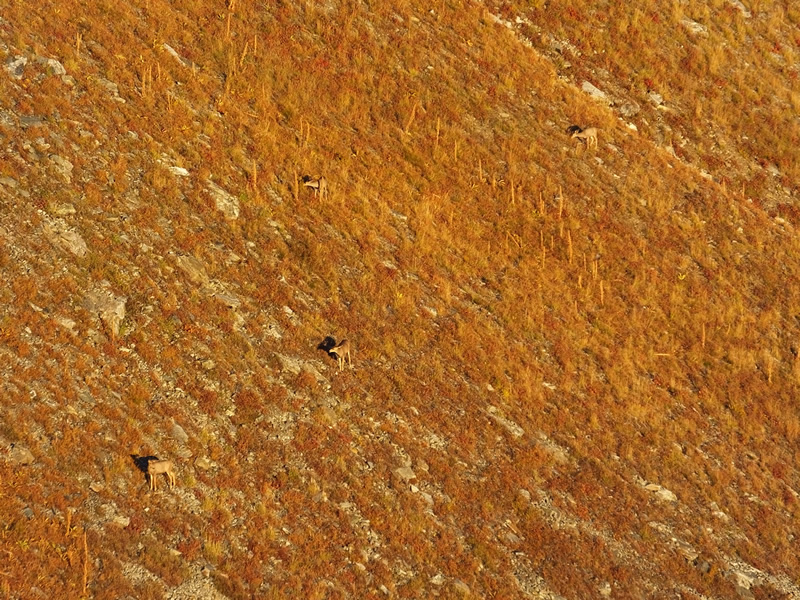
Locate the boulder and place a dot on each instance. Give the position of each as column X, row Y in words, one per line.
column 63, row 236
column 226, row 202
column 595, row 92
column 62, row 166
column 52, row 65
column 404, row 473
column 109, row 308
column 15, row 65
column 20, row 455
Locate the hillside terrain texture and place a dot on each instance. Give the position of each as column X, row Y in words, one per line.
column 574, row 369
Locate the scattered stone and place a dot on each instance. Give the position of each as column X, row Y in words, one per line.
column 66, row 323
column 28, row 512
column 594, row 92
column 121, row 521
column 695, row 27
column 31, row 121
column 209, row 365
column 428, row 499
column 63, row 210
column 226, row 202
column 702, row 565
column 629, row 109
column 20, row 455
column 405, row 473
column 203, row 463
column 179, row 433
column 744, row 593
column 97, row 487
column 666, row 495
column 63, row 167
column 194, row 269
column 9, row 182
column 742, row 579
column 111, row 87
column 52, row 65
column 66, row 238
column 655, row 98
column 737, row 4
column 438, row 579
column 461, row 587
column 179, row 171
column 109, row 308
column 230, row 300
column 172, row 52
column 15, row 65
column 661, row 492
column 604, row 589
column 507, row 424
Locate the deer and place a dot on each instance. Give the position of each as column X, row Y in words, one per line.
column 588, row 135
column 318, row 184
column 341, row 350
column 156, row 467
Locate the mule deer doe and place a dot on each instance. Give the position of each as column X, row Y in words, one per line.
column 341, row 350
column 588, row 135
column 156, row 467
column 318, row 184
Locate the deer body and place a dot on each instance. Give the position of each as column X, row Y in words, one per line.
column 341, row 350
column 319, row 185
column 588, row 135
column 157, row 467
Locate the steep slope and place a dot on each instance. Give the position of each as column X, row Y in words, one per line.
column 574, row 369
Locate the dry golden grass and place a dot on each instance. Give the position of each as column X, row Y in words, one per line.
column 640, row 316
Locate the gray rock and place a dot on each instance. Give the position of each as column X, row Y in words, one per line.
column 111, row 87
column 172, row 52
column 405, row 473
column 194, row 269
column 63, row 210
column 62, row 166
column 31, row 121
column 52, row 65
column 63, row 236
column 230, row 300
column 629, row 109
column 461, row 587
column 121, row 521
column 179, row 433
column 9, row 182
column 742, row 8
column 28, row 512
column 203, row 463
column 694, row 27
column 507, row 424
column 655, row 98
column 109, row 308
column 15, row 65
column 595, row 92
column 666, row 495
column 20, row 455
column 703, row 566
column 226, row 202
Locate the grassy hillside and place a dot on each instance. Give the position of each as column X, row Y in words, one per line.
column 574, row 370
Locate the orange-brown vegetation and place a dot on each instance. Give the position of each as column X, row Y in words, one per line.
column 541, row 332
